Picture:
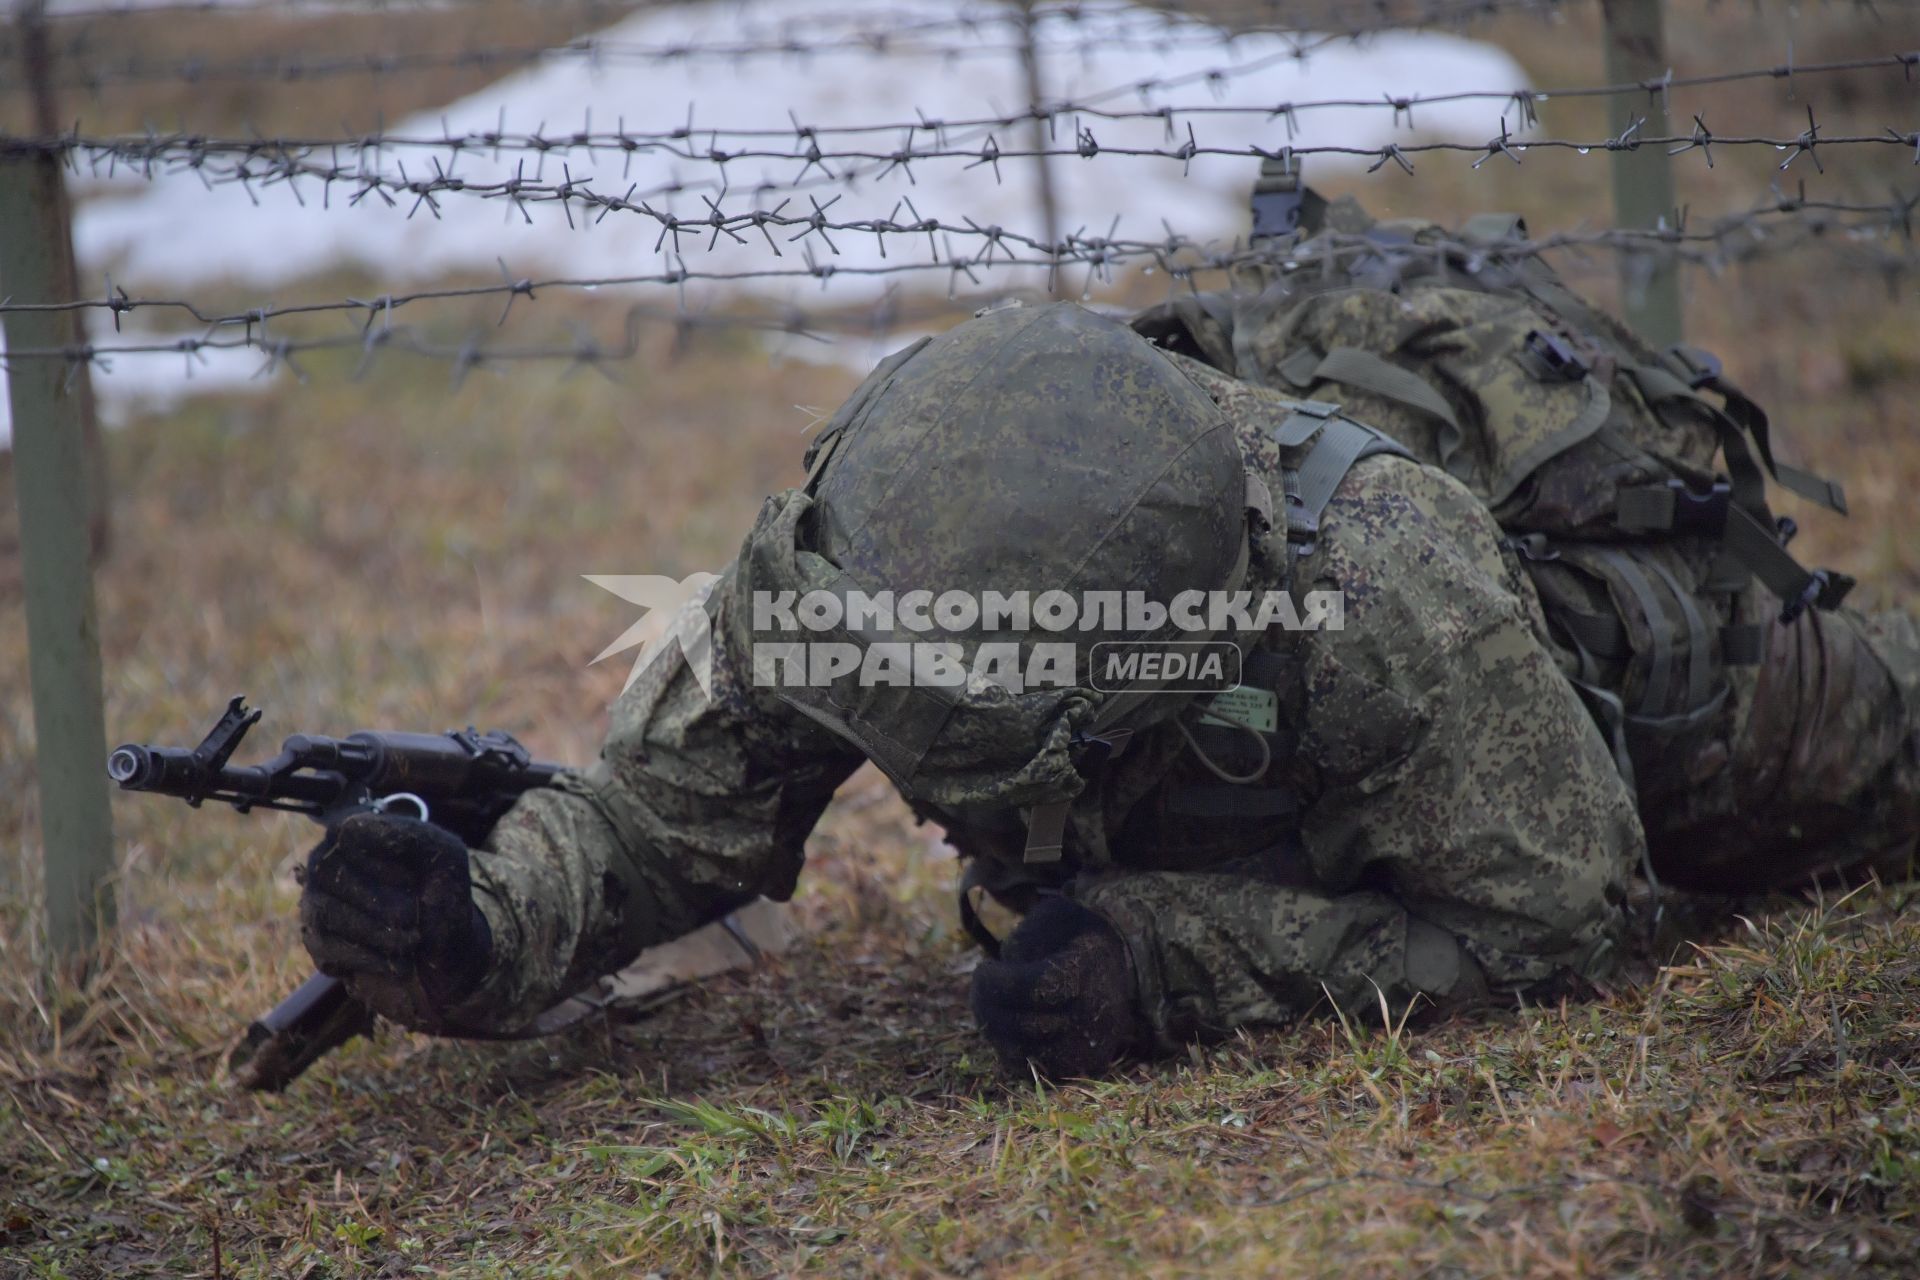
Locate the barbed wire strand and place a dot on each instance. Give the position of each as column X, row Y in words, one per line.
column 1863, row 229
column 1876, row 236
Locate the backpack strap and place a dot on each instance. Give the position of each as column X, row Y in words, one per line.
column 1337, row 445
column 1747, row 528
column 1758, row 547
column 1355, row 367
column 1653, row 698
column 1702, row 369
column 1699, row 659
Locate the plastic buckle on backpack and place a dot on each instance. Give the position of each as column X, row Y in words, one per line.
column 1303, row 530
column 1785, row 527
column 1791, row 610
column 1091, row 751
column 1282, row 203
column 1825, row 589
column 1700, row 512
column 1701, row 367
column 1276, row 212
column 1553, row 357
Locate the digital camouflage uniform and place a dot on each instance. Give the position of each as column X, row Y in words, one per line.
column 1442, row 815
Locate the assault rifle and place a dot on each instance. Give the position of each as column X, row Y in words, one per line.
column 461, row 780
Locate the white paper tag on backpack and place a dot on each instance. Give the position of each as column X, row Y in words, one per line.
column 1258, row 708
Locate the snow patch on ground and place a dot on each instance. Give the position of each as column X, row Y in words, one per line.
column 171, row 233
column 175, row 232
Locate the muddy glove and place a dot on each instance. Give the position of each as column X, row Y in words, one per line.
column 387, row 905
column 1061, row 995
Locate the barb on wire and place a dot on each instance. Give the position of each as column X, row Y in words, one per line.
column 707, row 213
column 251, row 332
column 254, row 163
column 1781, row 224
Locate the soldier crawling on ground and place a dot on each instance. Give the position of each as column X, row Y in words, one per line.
column 1573, row 650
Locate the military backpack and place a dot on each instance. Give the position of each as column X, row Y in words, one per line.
column 1632, row 481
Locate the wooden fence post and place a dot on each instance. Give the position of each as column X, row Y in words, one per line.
column 56, row 492
column 1643, row 176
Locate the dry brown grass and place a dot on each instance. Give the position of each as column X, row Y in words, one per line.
column 392, row 552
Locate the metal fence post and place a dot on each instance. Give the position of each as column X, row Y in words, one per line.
column 51, row 402
column 1643, row 176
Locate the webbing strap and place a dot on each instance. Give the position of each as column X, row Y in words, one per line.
column 1644, row 508
column 1611, row 714
column 1702, row 369
column 1758, row 548
column 1598, row 634
column 1341, row 444
column 1815, row 489
column 1743, row 427
column 1296, row 522
column 1369, row 372
column 1299, row 426
column 1749, row 536
column 1047, row 832
column 1749, row 482
column 1589, row 666
column 1699, row 676
column 1653, row 699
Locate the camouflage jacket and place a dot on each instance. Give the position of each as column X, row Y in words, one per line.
column 1456, row 811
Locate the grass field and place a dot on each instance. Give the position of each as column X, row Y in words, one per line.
column 395, row 552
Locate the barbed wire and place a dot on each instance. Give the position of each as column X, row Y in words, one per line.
column 350, row 170
column 1525, row 103
column 264, row 163
column 374, row 340
column 1858, row 227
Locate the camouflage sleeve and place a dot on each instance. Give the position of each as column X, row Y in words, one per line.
column 1457, row 767
column 1465, row 823
column 701, row 800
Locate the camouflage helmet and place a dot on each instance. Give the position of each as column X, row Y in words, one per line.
column 1030, row 449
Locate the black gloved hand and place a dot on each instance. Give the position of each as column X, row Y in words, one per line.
column 1061, row 995
column 387, row 905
